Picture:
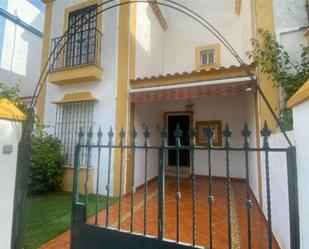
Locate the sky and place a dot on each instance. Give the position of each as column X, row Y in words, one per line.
column 38, row 3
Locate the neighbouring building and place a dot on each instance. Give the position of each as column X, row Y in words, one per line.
column 148, row 66
column 291, row 22
column 21, row 32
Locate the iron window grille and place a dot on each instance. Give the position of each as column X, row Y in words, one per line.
column 70, row 117
column 82, row 43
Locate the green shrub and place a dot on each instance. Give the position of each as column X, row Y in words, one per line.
column 46, row 161
column 275, row 62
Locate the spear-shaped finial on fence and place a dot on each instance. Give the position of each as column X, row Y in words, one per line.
column 99, row 134
column 122, row 135
column 134, row 136
column 177, row 135
column 146, row 136
column 110, row 136
column 164, row 135
column 192, row 134
column 80, row 135
column 89, row 136
column 246, row 133
column 227, row 133
column 209, row 134
column 265, row 133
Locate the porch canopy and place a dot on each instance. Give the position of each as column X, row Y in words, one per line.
column 206, row 83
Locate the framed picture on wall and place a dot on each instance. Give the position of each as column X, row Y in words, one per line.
column 201, row 128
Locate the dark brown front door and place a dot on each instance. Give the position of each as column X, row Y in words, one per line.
column 184, row 155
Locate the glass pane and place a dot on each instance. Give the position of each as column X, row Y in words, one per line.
column 211, row 57
column 207, row 57
column 203, row 58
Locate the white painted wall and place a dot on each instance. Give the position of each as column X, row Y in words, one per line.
column 10, row 135
column 279, row 189
column 149, row 43
column 230, row 109
column 290, row 20
column 177, row 53
column 105, row 90
column 290, row 14
column 301, row 121
column 150, row 115
column 247, row 29
column 20, row 60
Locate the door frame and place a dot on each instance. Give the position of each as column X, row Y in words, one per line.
column 185, row 171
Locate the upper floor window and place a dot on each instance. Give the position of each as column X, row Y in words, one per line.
column 81, row 45
column 207, row 56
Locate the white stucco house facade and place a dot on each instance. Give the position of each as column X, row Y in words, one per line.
column 175, row 69
column 144, row 65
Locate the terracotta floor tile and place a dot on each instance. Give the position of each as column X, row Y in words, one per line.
column 219, row 225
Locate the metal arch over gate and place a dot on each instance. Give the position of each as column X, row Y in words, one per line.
column 62, row 43
column 107, row 230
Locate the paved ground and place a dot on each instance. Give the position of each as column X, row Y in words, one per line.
column 220, row 237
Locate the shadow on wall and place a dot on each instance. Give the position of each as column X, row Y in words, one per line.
column 149, row 43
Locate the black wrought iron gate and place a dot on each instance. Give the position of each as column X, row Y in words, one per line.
column 100, row 233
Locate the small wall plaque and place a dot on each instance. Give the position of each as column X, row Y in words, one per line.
column 7, row 149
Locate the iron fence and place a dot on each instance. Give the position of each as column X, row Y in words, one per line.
column 93, row 235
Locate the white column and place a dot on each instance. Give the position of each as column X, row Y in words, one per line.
column 301, row 129
column 10, row 136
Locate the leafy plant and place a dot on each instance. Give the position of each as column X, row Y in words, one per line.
column 13, row 95
column 275, row 62
column 46, row 161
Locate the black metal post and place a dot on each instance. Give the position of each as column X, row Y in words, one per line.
column 98, row 176
column 209, row 137
column 161, row 185
column 110, row 141
column 75, row 186
column 177, row 135
column 89, row 141
column 265, row 133
column 134, row 135
column 192, row 134
column 122, row 136
column 146, row 136
column 293, row 198
column 227, row 135
column 246, row 134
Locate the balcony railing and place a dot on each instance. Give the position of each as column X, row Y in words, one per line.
column 76, row 49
